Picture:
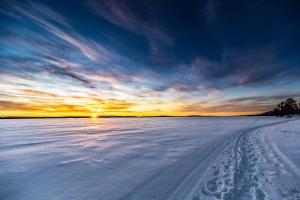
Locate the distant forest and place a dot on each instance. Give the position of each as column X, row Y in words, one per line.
column 289, row 107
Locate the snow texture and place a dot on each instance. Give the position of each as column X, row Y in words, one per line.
column 213, row 158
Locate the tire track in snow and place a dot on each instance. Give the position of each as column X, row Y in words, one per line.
column 251, row 169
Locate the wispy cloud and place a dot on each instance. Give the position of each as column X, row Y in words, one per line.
column 120, row 14
column 36, row 13
column 52, row 51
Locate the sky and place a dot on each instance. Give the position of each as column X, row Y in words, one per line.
column 147, row 58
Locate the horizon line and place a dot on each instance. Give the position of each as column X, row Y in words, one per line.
column 129, row 116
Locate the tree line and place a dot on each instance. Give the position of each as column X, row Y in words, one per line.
column 289, row 107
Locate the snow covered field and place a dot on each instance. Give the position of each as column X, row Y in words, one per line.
column 150, row 158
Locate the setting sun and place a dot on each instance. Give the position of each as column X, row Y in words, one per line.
column 94, row 115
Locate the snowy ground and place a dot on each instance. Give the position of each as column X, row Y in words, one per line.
column 150, row 158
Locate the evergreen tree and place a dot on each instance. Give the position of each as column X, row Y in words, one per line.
column 288, row 107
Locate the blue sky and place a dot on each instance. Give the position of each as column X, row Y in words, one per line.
column 114, row 57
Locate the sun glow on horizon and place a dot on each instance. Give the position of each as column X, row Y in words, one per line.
column 94, row 115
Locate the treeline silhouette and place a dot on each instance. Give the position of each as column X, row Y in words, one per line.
column 289, row 107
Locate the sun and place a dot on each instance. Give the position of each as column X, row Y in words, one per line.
column 94, row 115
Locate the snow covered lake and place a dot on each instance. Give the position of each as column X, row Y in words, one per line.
column 150, row 158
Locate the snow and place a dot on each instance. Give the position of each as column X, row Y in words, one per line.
column 150, row 158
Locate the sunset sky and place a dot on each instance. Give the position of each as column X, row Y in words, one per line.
column 145, row 58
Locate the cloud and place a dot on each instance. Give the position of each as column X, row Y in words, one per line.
column 268, row 98
column 13, row 106
column 37, row 93
column 9, row 108
column 114, row 105
column 62, row 108
column 58, row 26
column 122, row 15
column 249, row 68
column 66, row 72
column 228, row 108
column 254, row 104
column 53, row 55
